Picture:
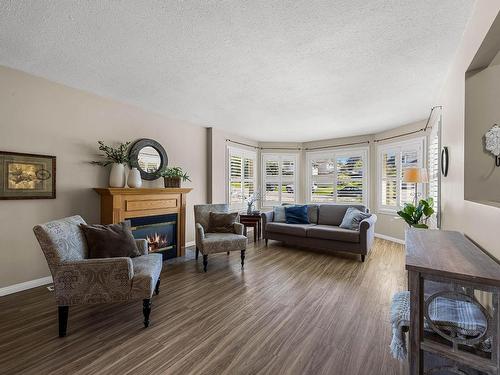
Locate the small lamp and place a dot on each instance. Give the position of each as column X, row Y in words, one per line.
column 417, row 176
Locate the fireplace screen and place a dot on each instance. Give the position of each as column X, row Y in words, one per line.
column 160, row 231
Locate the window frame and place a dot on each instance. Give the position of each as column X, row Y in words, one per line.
column 244, row 154
column 333, row 154
column 275, row 156
column 398, row 147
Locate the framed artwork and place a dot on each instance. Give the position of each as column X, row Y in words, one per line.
column 27, row 176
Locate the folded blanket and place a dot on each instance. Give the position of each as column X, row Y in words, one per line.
column 455, row 317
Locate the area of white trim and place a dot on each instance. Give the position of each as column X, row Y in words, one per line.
column 24, row 286
column 191, row 243
column 389, row 238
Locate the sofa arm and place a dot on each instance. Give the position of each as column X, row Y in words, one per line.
column 267, row 217
column 367, row 232
column 93, row 280
column 238, row 228
column 142, row 245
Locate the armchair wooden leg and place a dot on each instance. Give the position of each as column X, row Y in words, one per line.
column 205, row 262
column 146, row 310
column 242, row 258
column 363, row 258
column 63, row 319
column 266, row 241
column 228, row 253
column 197, row 253
column 157, row 287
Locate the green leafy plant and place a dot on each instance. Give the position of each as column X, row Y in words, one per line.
column 113, row 154
column 174, row 172
column 417, row 216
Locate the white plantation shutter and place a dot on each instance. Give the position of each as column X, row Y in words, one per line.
column 433, row 160
column 338, row 176
column 242, row 176
column 393, row 159
column 279, row 172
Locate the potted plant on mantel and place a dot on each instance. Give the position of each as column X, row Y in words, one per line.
column 417, row 217
column 117, row 157
column 172, row 177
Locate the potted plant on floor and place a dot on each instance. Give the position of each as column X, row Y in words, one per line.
column 117, row 157
column 417, row 217
column 172, row 176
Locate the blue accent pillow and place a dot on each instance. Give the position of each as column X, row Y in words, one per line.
column 296, row 215
column 352, row 218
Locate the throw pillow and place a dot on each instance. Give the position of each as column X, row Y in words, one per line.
column 296, row 215
column 110, row 241
column 279, row 214
column 352, row 218
column 222, row 222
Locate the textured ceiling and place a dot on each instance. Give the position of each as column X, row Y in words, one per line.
column 268, row 70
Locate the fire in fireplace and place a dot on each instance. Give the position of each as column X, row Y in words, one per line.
column 160, row 231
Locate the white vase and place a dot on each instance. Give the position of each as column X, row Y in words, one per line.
column 134, row 178
column 117, row 176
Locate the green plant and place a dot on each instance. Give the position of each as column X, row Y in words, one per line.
column 417, row 216
column 174, row 172
column 113, row 154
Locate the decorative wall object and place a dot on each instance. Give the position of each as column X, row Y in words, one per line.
column 134, row 178
column 149, row 157
column 444, row 161
column 492, row 140
column 27, row 176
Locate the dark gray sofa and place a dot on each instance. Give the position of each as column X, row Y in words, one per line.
column 324, row 232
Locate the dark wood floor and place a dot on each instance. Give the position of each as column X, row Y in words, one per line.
column 289, row 312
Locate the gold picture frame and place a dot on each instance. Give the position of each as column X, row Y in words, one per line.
column 27, row 176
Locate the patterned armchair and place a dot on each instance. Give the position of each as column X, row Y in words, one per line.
column 78, row 280
column 211, row 243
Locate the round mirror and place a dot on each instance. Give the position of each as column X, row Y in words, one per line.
column 149, row 157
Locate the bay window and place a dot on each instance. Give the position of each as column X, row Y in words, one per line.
column 279, row 184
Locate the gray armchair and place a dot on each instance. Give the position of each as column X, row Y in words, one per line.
column 78, row 280
column 211, row 243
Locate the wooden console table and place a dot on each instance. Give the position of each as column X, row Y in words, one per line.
column 445, row 264
column 119, row 204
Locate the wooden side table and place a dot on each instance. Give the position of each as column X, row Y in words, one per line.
column 253, row 221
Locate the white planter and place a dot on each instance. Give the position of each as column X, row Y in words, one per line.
column 117, row 176
column 134, row 178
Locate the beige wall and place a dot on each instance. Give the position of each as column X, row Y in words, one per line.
column 480, row 222
column 39, row 116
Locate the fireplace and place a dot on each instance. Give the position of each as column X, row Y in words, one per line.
column 160, row 231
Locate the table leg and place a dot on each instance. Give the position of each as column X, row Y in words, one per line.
column 415, row 285
column 255, row 232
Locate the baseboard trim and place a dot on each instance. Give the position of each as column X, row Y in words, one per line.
column 191, row 243
column 389, row 238
column 24, row 286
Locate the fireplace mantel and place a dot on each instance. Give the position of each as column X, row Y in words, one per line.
column 119, row 204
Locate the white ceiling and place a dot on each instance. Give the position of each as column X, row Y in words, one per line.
column 267, row 70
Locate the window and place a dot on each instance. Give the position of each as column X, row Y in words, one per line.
column 338, row 176
column 433, row 170
column 279, row 184
column 242, row 176
column 393, row 159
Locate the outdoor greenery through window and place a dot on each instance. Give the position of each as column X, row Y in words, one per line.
column 393, row 159
column 242, row 176
column 338, row 176
column 278, row 179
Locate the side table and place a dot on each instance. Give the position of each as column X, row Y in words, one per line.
column 253, row 221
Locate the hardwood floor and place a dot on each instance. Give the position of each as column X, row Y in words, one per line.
column 290, row 311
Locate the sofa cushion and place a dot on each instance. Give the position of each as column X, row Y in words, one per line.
column 222, row 222
column 332, row 214
column 290, row 229
column 334, row 233
column 109, row 241
column 296, row 215
column 222, row 242
column 312, row 213
column 352, row 218
column 279, row 214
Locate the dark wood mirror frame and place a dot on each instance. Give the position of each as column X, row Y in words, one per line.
column 134, row 157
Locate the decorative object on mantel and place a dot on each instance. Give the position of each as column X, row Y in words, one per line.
column 417, row 216
column 149, row 157
column 134, row 178
column 117, row 157
column 172, row 176
column 27, row 176
column 445, row 161
column 250, row 201
column 492, row 140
